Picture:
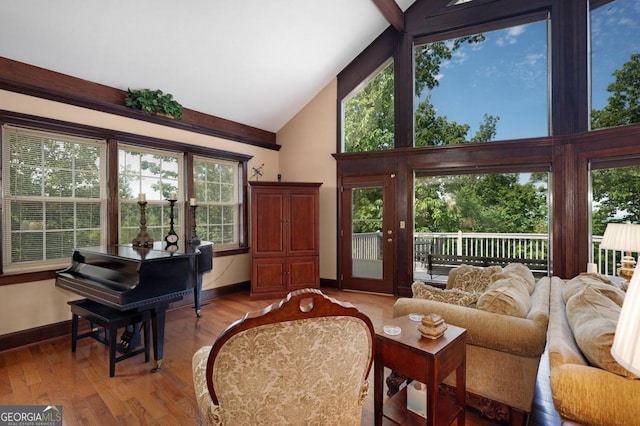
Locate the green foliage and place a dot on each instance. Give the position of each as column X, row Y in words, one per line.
column 624, row 102
column 480, row 203
column 153, row 102
column 368, row 115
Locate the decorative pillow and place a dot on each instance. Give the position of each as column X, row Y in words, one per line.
column 474, row 279
column 588, row 279
column 452, row 296
column 522, row 272
column 593, row 317
column 506, row 296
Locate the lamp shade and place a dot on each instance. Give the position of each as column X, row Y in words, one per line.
column 622, row 237
column 626, row 342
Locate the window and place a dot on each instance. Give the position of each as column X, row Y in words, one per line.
column 497, row 215
column 54, row 197
column 217, row 193
column 156, row 174
column 615, row 63
column 369, row 116
column 483, row 87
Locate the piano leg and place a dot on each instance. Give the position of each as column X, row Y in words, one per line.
column 158, row 316
column 197, row 295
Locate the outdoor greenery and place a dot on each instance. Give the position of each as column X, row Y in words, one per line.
column 153, row 102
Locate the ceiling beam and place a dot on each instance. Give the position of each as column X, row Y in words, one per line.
column 392, row 13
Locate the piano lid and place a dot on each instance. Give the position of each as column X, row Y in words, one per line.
column 124, row 277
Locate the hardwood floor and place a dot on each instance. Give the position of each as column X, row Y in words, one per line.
column 48, row 373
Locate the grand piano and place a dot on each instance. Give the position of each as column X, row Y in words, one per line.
column 126, row 278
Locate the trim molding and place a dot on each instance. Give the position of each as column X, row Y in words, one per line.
column 29, row 80
column 63, row 328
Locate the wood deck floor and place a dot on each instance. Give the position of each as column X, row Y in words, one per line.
column 48, row 373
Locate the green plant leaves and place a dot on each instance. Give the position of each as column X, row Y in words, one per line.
column 153, row 102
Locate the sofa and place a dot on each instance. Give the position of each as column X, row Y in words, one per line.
column 587, row 385
column 506, row 312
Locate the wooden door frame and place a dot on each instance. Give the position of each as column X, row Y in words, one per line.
column 387, row 284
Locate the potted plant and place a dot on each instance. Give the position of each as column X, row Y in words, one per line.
column 153, row 102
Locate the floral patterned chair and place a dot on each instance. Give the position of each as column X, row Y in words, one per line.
column 302, row 361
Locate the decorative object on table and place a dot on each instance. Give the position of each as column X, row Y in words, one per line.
column 432, row 326
column 172, row 238
column 417, row 398
column 623, row 237
column 257, row 172
column 153, row 102
column 194, row 241
column 143, row 239
column 626, row 341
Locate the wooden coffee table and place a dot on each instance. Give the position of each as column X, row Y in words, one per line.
column 426, row 360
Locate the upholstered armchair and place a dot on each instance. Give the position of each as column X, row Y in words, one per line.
column 304, row 360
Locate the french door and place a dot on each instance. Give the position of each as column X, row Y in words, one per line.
column 367, row 233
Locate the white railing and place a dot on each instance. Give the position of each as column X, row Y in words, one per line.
column 368, row 246
column 501, row 245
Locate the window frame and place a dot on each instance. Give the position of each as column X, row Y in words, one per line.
column 113, row 138
column 236, row 203
column 7, row 199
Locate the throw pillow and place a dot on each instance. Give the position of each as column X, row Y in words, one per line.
column 522, row 272
column 506, row 296
column 452, row 296
column 593, row 317
column 588, row 279
column 474, row 279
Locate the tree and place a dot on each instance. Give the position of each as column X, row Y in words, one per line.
column 624, row 102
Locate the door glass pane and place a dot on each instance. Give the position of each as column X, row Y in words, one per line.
column 366, row 226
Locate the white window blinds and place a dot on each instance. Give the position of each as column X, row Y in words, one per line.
column 54, row 191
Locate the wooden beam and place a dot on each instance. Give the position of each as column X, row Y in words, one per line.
column 392, row 13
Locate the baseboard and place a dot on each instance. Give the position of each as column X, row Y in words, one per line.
column 63, row 328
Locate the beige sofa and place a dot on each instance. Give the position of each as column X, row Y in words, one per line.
column 503, row 351
column 582, row 391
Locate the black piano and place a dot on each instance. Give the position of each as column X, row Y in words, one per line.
column 126, row 278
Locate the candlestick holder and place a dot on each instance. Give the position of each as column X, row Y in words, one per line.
column 172, row 238
column 143, row 239
column 195, row 241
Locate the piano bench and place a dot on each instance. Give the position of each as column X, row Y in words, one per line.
column 111, row 320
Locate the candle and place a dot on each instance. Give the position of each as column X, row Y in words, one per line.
column 142, row 197
column 192, row 202
column 173, row 196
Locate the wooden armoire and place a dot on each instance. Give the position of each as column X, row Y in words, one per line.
column 285, row 236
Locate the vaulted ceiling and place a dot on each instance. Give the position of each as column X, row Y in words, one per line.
column 254, row 62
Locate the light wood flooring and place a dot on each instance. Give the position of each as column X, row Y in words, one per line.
column 48, row 373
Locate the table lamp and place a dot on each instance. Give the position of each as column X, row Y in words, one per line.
column 624, row 237
column 626, row 342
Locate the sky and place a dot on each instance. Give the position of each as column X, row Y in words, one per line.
column 506, row 75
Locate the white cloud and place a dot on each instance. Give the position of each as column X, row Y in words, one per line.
column 511, row 36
